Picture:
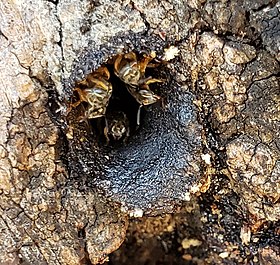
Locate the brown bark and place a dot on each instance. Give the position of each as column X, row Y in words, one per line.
column 66, row 196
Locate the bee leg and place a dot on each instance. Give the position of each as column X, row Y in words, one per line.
column 117, row 64
column 131, row 56
column 138, row 115
column 102, row 71
column 82, row 97
column 84, row 118
column 151, row 80
column 69, row 108
column 76, row 104
column 152, row 65
column 143, row 64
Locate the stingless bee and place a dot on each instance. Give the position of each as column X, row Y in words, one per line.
column 132, row 73
column 117, row 126
column 144, row 96
column 95, row 90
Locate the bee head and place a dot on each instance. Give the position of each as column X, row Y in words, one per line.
column 118, row 130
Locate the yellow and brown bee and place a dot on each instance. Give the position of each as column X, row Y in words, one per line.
column 132, row 72
column 96, row 90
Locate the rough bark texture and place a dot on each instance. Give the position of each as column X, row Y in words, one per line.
column 207, row 159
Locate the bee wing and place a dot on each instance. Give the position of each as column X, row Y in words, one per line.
column 143, row 95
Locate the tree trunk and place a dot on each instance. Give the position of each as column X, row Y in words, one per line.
column 208, row 150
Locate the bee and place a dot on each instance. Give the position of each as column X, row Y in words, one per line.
column 95, row 90
column 132, row 73
column 144, row 96
column 117, row 126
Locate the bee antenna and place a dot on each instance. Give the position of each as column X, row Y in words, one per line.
column 138, row 115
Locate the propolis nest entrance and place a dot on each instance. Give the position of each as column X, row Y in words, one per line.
column 154, row 169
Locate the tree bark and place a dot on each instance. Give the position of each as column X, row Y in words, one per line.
column 214, row 141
